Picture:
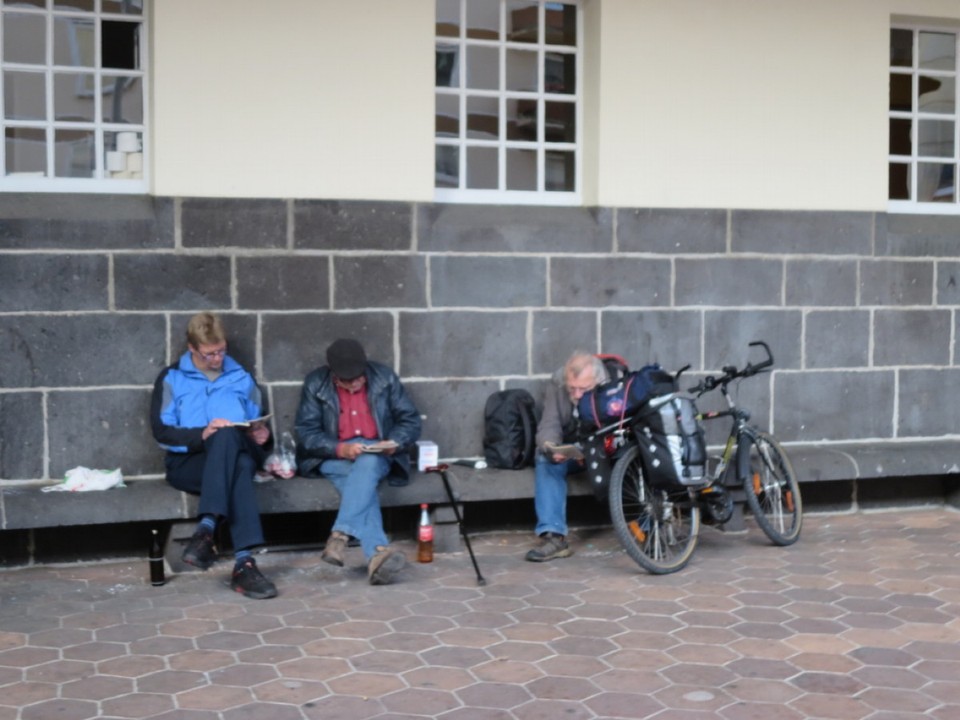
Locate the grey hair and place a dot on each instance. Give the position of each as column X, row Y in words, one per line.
column 580, row 360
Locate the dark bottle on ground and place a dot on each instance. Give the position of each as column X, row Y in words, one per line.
column 157, row 576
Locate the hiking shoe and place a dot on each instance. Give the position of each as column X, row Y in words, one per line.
column 201, row 551
column 248, row 579
column 333, row 550
column 550, row 547
column 384, row 565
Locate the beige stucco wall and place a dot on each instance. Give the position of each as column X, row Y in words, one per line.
column 293, row 98
column 688, row 103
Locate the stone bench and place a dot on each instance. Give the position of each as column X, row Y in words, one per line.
column 851, row 465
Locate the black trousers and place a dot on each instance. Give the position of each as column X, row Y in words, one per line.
column 222, row 475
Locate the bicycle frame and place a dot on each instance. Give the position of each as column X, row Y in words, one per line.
column 739, row 419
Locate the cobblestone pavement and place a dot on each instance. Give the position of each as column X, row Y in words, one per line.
column 858, row 620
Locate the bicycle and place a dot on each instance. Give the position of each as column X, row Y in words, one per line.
column 658, row 525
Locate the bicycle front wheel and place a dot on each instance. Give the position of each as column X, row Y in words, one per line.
column 772, row 491
column 658, row 529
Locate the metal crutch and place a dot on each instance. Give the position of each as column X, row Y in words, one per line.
column 442, row 471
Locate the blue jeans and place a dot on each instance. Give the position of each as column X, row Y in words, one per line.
column 550, row 494
column 359, row 513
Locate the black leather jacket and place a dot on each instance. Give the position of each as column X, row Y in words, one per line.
column 318, row 419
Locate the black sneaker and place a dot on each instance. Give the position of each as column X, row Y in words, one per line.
column 248, row 579
column 550, row 547
column 201, row 551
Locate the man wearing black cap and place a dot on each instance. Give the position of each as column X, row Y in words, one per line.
column 354, row 426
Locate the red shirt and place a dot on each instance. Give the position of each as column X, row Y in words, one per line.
column 356, row 421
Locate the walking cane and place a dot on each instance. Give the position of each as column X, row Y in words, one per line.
column 442, row 471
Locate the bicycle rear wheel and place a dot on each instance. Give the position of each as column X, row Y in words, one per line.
column 658, row 529
column 772, row 491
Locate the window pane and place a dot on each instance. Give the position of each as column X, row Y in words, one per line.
column 482, row 168
column 901, row 48
column 935, row 183
column 26, row 151
column 25, row 3
column 523, row 21
column 935, row 138
column 561, row 123
column 522, row 70
column 122, row 100
column 74, row 42
column 73, row 5
column 448, row 69
column 447, row 122
column 560, row 170
column 123, row 157
column 483, row 20
column 483, row 117
column 561, row 21
column 24, row 38
column 521, row 170
column 938, row 51
column 560, row 71
column 74, row 153
column 447, row 172
column 120, row 45
column 900, row 136
column 448, row 18
column 125, row 7
column 483, row 68
column 901, row 92
column 937, row 95
column 521, row 119
column 24, row 96
column 899, row 185
column 73, row 97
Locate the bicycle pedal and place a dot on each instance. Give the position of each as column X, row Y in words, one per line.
column 637, row 531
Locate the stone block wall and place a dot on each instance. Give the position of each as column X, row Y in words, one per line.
column 860, row 309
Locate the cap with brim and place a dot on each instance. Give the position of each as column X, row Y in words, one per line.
column 346, row 358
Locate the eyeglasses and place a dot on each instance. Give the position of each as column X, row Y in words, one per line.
column 212, row 355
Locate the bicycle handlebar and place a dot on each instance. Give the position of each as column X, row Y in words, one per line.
column 730, row 372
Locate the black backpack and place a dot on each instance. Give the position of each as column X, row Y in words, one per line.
column 509, row 429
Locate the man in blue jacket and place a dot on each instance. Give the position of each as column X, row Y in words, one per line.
column 354, row 426
column 200, row 414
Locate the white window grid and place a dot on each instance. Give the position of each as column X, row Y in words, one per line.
column 101, row 182
column 913, row 161
column 540, row 196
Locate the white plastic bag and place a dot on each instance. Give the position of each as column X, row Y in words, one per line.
column 282, row 462
column 81, row 479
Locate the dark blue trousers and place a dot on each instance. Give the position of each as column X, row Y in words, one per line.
column 222, row 475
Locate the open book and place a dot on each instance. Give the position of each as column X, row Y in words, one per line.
column 255, row 421
column 571, row 452
column 381, row 446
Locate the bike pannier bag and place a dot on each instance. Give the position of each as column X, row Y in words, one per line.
column 509, row 429
column 614, row 401
column 672, row 442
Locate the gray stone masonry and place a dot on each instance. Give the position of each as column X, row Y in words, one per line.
column 860, row 309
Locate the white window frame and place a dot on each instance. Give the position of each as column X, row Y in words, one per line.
column 100, row 182
column 914, row 206
column 541, row 196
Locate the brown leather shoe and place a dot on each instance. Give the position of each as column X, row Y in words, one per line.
column 385, row 565
column 334, row 549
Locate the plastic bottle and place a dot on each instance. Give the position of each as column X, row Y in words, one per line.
column 157, row 576
column 425, row 536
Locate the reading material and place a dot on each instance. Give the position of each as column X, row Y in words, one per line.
column 255, row 421
column 571, row 452
column 381, row 446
